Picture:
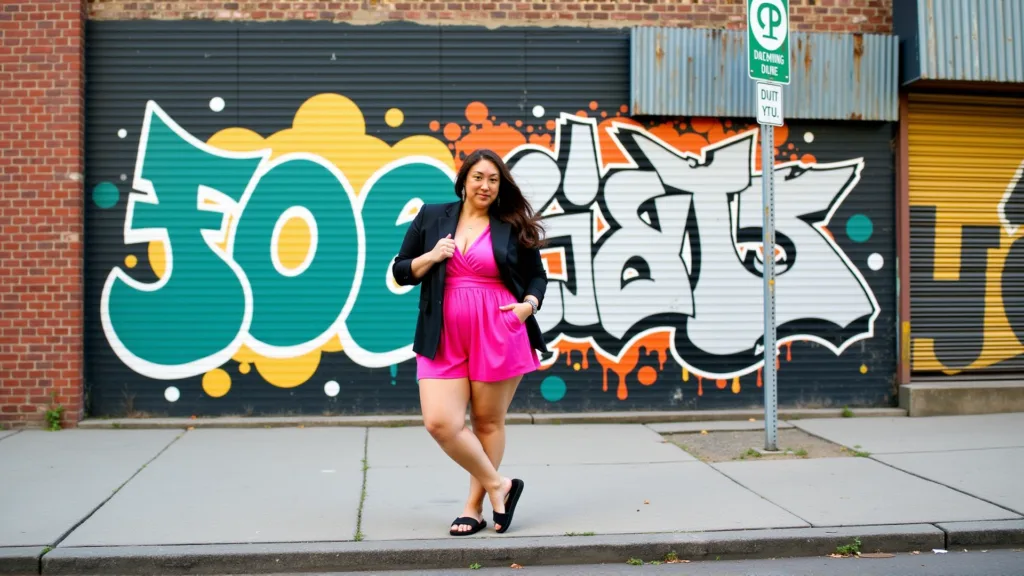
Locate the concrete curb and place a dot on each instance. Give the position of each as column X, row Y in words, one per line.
column 488, row 552
column 515, row 418
column 20, row 560
column 989, row 533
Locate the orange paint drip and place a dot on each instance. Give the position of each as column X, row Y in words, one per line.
column 567, row 348
column 720, row 384
column 760, row 383
column 700, row 385
column 789, row 351
column 658, row 342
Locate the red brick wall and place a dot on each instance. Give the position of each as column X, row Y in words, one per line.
column 40, row 209
column 867, row 16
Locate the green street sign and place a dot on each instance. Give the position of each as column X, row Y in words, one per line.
column 768, row 40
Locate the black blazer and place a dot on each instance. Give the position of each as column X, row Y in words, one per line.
column 521, row 271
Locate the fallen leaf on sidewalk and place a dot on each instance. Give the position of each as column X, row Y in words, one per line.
column 877, row 555
column 837, row 556
column 647, row 501
column 515, row 567
column 703, row 432
column 915, row 553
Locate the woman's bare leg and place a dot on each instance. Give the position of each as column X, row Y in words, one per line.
column 489, row 402
column 443, row 404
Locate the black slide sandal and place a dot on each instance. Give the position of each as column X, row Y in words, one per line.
column 474, row 525
column 511, row 499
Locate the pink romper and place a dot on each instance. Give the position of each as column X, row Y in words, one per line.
column 479, row 341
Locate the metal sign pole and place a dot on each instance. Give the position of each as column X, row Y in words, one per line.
column 768, row 240
column 768, row 65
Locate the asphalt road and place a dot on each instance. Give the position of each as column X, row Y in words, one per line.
column 928, row 563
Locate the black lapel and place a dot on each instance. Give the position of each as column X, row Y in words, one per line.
column 446, row 225
column 500, row 232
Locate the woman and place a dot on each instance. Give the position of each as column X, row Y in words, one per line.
column 482, row 281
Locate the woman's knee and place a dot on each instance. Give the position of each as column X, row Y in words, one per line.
column 442, row 429
column 487, row 422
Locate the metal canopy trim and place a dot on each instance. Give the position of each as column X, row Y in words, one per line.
column 703, row 72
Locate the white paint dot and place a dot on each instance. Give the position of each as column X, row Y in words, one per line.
column 217, row 104
column 332, row 388
column 538, row 111
column 122, row 133
column 124, row 177
column 172, row 394
column 808, row 137
column 875, row 261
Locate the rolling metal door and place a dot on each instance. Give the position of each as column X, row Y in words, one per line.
column 206, row 299
column 967, row 258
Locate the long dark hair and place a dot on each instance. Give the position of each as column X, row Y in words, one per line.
column 510, row 205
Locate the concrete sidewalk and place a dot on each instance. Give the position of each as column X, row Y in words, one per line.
column 337, row 498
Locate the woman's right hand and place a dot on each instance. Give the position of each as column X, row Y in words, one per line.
column 444, row 249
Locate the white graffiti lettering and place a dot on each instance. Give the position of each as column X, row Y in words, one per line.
column 671, row 241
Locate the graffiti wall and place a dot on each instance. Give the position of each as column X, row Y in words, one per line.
column 967, row 236
column 249, row 186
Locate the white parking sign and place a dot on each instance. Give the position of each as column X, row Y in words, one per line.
column 769, row 104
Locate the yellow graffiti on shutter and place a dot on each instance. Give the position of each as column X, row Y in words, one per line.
column 964, row 154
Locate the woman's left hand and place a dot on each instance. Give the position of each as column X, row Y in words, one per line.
column 523, row 310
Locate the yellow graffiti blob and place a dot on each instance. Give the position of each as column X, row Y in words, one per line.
column 216, row 383
column 333, row 127
column 282, row 372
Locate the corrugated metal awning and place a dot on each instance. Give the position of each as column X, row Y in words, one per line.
column 703, row 72
column 961, row 40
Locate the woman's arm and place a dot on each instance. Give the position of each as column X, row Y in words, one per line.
column 534, row 274
column 411, row 264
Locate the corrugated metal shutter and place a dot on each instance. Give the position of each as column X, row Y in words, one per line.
column 966, row 195
column 636, row 228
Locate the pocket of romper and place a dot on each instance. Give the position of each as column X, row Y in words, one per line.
column 511, row 320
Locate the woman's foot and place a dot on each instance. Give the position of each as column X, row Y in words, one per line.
column 503, row 502
column 498, row 497
column 464, row 523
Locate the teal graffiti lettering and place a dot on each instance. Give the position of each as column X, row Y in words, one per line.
column 299, row 307
column 388, row 208
column 168, row 329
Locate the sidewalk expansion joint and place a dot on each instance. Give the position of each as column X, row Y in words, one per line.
column 1017, row 515
column 75, row 526
column 362, row 497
